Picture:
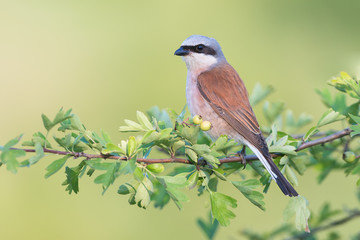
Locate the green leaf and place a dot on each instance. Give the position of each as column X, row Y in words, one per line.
column 160, row 197
column 213, row 184
column 139, row 174
column 201, row 149
column 160, row 115
column 219, row 207
column 46, row 121
column 310, row 133
column 325, row 96
column 219, row 173
column 297, row 207
column 287, row 149
column 72, row 177
column 76, row 123
column 132, row 127
column 271, row 139
column 191, row 154
column 189, row 133
column 112, row 148
column 355, row 128
column 9, row 157
column 60, row 117
column 172, row 185
column 290, row 175
column 11, row 162
column 143, row 192
column 246, row 188
column 37, row 137
column 328, row 117
column 56, row 166
column 131, row 146
column 144, row 121
column 210, row 159
column 300, row 162
column 178, row 145
column 127, row 188
column 284, row 160
column 72, row 141
column 128, row 167
column 338, row 104
column 292, row 125
column 209, row 227
column 259, row 93
column 165, row 133
column 193, row 179
column 325, row 213
column 12, row 142
column 356, row 170
column 220, row 142
column 222, row 145
column 108, row 178
column 106, row 137
column 346, row 84
column 150, row 136
column 39, row 154
column 273, row 110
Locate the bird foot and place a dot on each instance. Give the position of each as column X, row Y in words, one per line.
column 242, row 155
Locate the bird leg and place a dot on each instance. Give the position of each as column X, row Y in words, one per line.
column 242, row 155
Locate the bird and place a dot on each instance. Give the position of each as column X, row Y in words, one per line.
column 215, row 91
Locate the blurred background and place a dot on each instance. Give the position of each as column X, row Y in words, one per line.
column 107, row 59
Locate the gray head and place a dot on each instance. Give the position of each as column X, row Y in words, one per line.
column 200, row 53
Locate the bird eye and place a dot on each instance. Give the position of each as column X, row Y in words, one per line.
column 200, row 48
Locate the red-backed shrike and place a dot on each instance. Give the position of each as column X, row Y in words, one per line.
column 215, row 91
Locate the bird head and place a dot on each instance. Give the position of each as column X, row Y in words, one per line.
column 200, row 53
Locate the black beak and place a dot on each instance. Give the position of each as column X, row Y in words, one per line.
column 182, row 52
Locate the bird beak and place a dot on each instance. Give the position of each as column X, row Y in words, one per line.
column 181, row 52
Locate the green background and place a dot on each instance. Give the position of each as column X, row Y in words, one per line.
column 107, row 59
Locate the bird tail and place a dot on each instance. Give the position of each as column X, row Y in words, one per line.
column 275, row 173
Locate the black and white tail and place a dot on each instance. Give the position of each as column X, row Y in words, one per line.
column 275, row 173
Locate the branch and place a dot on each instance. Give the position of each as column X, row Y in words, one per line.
column 248, row 158
column 326, row 139
column 353, row 214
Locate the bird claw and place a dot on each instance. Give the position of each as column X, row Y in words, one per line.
column 203, row 162
column 242, row 155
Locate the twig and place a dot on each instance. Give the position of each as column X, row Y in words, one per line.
column 300, row 136
column 248, row 158
column 326, row 139
column 353, row 214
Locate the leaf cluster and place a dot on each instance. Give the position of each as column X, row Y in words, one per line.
column 145, row 181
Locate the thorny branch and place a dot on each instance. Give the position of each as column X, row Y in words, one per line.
column 248, row 158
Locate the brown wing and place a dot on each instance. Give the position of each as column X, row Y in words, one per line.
column 223, row 89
